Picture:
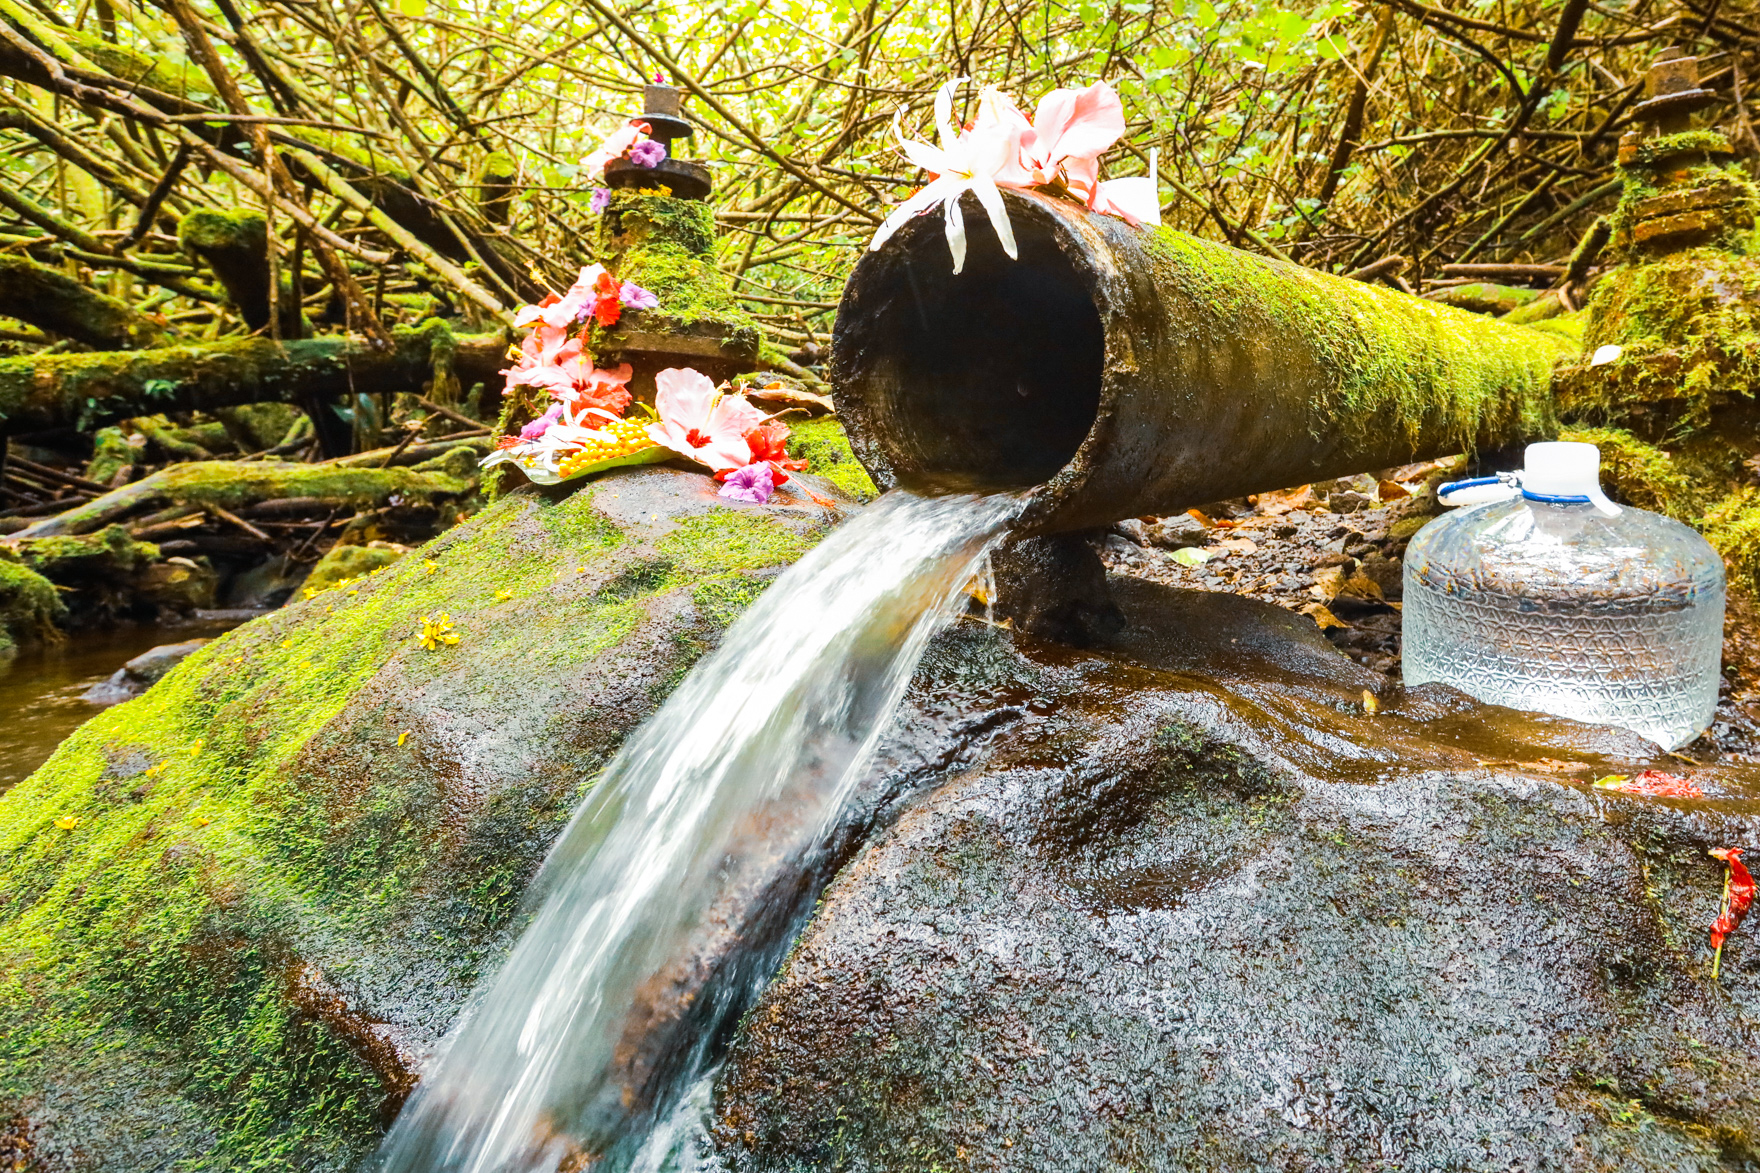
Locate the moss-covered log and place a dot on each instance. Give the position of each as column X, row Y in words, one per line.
column 83, row 390
column 51, row 300
column 235, row 246
column 1127, row 371
column 233, row 484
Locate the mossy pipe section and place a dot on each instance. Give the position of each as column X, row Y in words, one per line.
column 1128, row 371
column 87, row 390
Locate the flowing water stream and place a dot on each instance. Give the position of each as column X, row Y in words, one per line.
column 668, row 900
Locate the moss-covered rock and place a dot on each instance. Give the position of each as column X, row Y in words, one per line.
column 30, row 608
column 346, row 563
column 667, row 246
column 99, row 575
column 1687, row 326
column 277, row 875
column 823, row 444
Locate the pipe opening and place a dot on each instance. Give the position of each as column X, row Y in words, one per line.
column 987, row 379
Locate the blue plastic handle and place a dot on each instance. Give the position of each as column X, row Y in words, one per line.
column 1448, row 487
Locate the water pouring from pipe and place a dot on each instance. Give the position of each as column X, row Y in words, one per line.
column 670, row 895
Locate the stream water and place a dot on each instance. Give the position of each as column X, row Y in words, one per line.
column 667, row 901
column 42, row 687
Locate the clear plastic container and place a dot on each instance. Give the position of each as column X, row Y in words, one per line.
column 1551, row 598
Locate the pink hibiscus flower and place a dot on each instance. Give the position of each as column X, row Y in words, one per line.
column 700, row 422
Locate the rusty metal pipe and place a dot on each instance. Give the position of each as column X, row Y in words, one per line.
column 1130, row 371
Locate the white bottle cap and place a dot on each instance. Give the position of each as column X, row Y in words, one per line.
column 1560, row 469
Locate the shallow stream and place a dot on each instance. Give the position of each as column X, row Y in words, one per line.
column 42, row 687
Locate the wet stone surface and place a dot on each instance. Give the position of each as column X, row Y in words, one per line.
column 1193, row 906
column 1334, row 551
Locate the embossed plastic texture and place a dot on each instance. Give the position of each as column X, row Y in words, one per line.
column 1547, row 603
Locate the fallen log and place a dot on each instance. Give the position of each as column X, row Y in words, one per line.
column 39, row 392
column 232, row 484
column 51, row 300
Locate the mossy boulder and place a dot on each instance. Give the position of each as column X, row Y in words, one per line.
column 30, row 607
column 1195, row 906
column 239, row 910
column 1687, row 326
column 667, row 246
column 344, row 564
column 100, row 575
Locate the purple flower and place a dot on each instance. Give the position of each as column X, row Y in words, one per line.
column 647, row 154
column 601, row 197
column 539, row 426
column 637, row 298
column 752, row 483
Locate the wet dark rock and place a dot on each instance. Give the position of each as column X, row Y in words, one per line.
column 1178, row 532
column 1055, row 587
column 266, row 585
column 1197, row 907
column 142, row 672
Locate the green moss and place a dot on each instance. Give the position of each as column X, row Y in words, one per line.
column 667, row 246
column 1390, row 358
column 110, row 551
column 1668, row 146
column 157, row 71
column 29, row 604
column 1569, row 327
column 726, row 539
column 346, row 563
column 206, row 846
column 207, row 229
column 1639, row 473
column 111, row 453
column 823, row 445
column 724, row 596
column 1732, row 526
column 1688, row 328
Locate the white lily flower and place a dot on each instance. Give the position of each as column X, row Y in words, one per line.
column 981, row 160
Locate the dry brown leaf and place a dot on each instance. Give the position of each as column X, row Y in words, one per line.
column 1323, row 616
column 1391, row 491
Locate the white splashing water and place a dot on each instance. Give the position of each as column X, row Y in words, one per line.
column 669, row 896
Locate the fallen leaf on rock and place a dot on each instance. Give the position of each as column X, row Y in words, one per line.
column 1361, row 586
column 1320, row 614
column 1240, row 545
column 1653, row 783
column 1738, row 897
column 1190, row 556
column 1287, row 500
column 1199, row 516
column 1371, row 706
column 67, row 822
column 1391, row 491
column 1328, row 583
column 779, row 397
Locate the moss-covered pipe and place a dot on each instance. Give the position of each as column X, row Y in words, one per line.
column 1131, row 371
column 38, row 392
column 51, row 300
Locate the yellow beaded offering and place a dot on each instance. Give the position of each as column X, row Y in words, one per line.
column 616, row 439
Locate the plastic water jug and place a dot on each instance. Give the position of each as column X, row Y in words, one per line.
column 1544, row 595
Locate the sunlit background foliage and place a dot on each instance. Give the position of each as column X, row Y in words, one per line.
column 1334, row 133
